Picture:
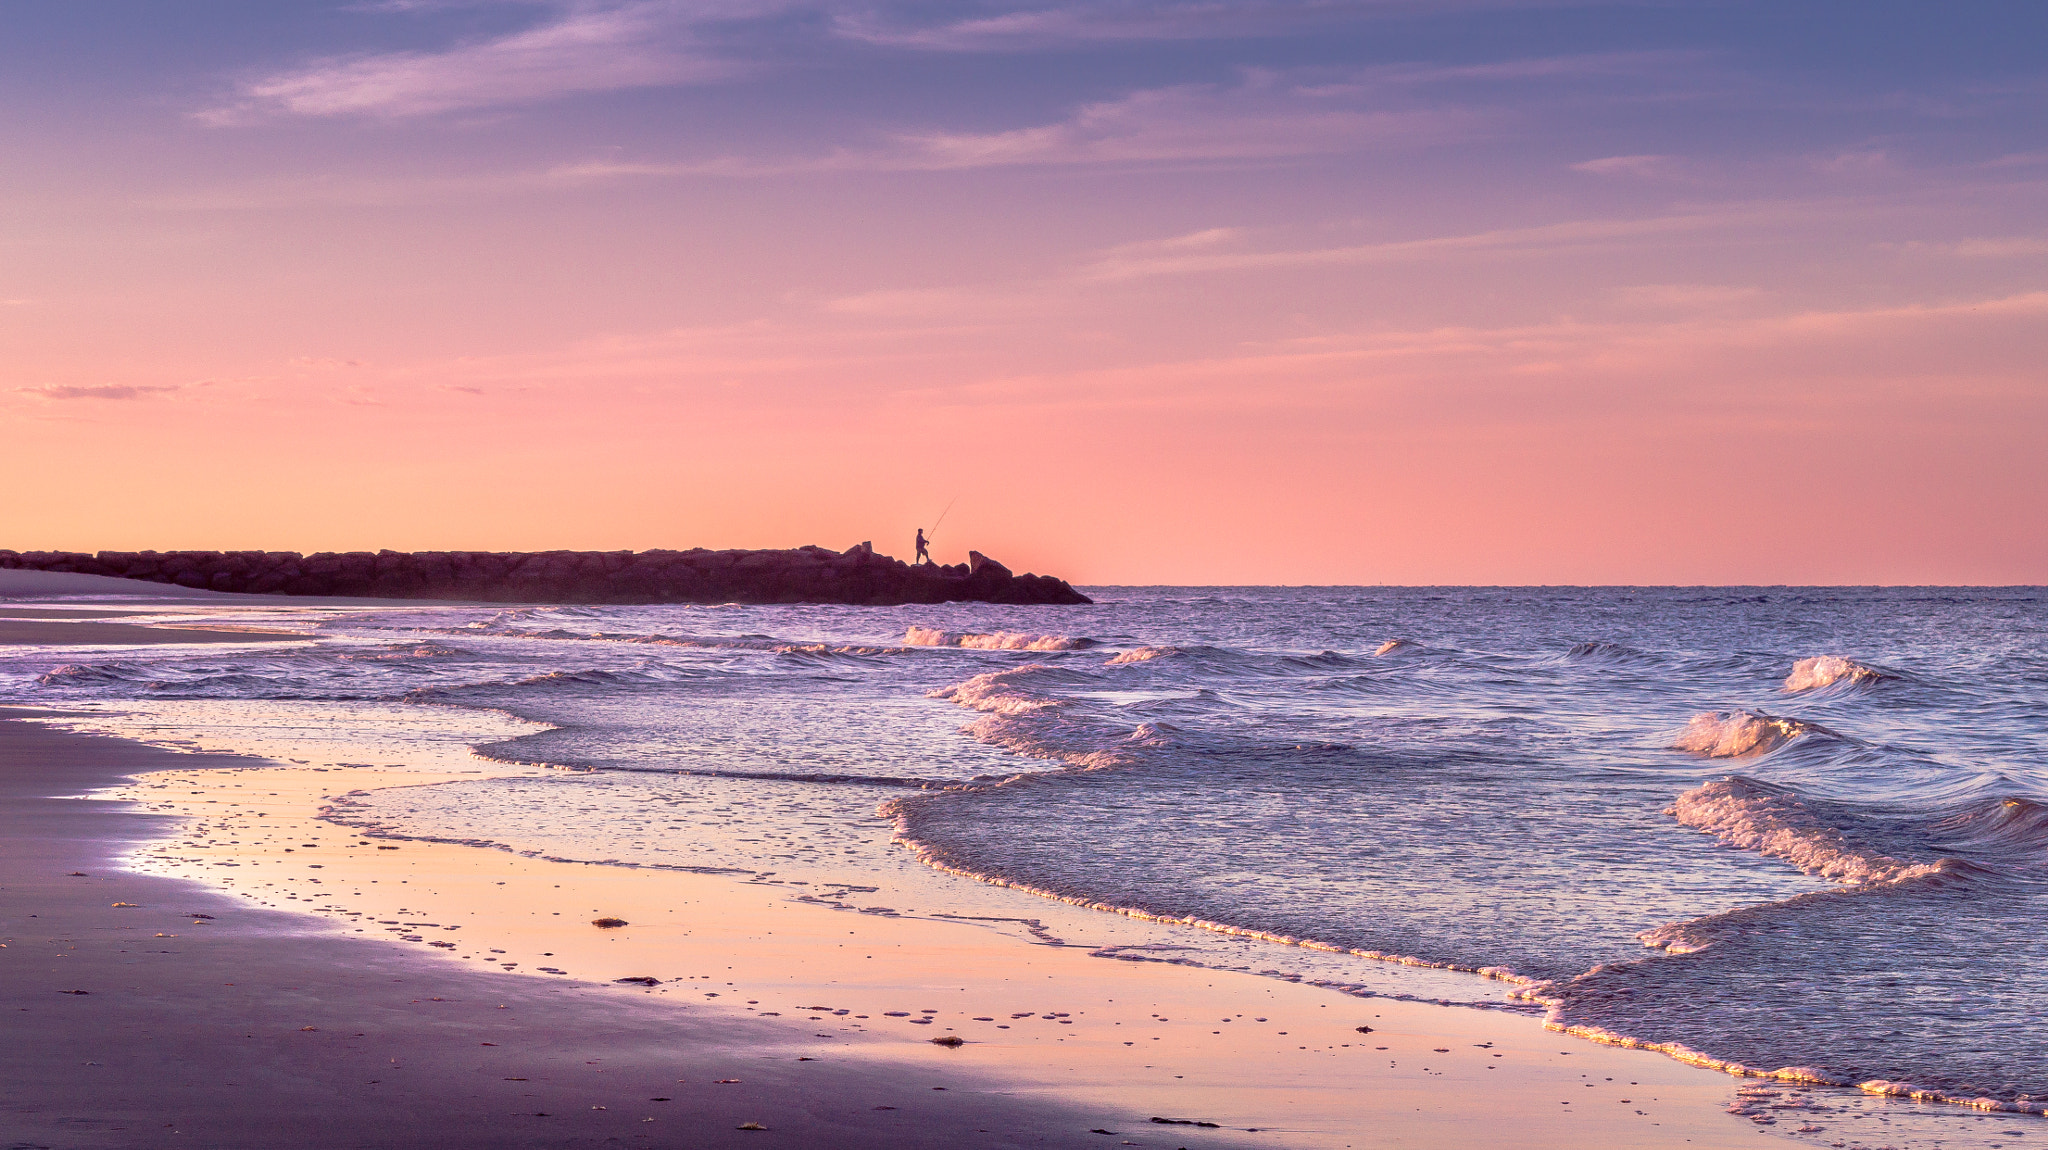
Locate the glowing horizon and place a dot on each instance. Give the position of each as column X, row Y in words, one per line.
column 1240, row 292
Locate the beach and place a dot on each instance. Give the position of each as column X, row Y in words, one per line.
column 201, row 1025
column 264, row 958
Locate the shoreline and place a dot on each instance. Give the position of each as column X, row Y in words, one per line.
column 1420, row 1090
column 249, row 1027
column 1243, row 1085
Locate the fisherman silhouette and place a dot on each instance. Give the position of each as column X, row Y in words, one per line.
column 923, row 556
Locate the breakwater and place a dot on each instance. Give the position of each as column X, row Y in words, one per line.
column 811, row 574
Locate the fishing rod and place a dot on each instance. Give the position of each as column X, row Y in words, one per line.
column 942, row 517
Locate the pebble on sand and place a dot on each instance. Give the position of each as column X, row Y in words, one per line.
column 607, row 923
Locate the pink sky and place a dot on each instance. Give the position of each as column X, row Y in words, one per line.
column 1263, row 326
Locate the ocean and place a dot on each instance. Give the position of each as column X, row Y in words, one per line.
column 1791, row 831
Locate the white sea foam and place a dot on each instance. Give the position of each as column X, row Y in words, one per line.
column 1769, row 820
column 1142, row 655
column 1392, row 646
column 1733, row 734
column 1828, row 670
column 917, row 636
column 999, row 692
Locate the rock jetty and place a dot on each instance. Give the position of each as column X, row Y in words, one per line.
column 802, row 575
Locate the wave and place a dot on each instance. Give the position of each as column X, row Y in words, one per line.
column 588, row 677
column 1775, row 821
column 1828, row 670
column 1141, row 655
column 1736, row 734
column 766, row 644
column 399, row 652
column 2009, row 829
column 905, row 814
column 85, row 675
column 1009, row 692
column 1021, row 716
column 1397, row 647
column 1603, row 652
column 204, row 682
column 917, row 636
column 1863, row 931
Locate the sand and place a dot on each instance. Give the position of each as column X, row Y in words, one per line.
column 261, row 1028
column 199, row 1024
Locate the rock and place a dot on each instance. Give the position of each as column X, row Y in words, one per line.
column 609, row 923
column 809, row 574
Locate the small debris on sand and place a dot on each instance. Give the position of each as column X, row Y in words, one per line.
column 642, row 979
column 74, row 992
column 949, row 1040
column 1186, row 1122
column 1360, row 1029
column 607, row 923
column 128, row 904
column 750, row 1126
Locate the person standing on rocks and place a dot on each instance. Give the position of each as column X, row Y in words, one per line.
column 923, row 555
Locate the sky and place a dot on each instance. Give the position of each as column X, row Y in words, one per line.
column 1209, row 292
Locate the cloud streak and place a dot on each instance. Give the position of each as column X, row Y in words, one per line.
column 586, row 47
column 1181, row 256
column 1265, row 117
column 105, row 391
column 1063, row 25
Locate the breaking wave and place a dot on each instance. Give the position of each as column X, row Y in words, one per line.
column 917, row 636
column 1828, row 670
column 1736, row 734
column 1774, row 821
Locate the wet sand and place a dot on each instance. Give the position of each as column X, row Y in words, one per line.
column 1058, row 1047
column 260, row 1028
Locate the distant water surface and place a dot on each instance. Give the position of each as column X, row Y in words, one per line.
column 1791, row 828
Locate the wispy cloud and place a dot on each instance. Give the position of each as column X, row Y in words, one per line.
column 1043, row 26
column 105, row 391
column 1637, row 167
column 1983, row 247
column 1133, row 261
column 1081, row 23
column 585, row 46
column 1264, row 117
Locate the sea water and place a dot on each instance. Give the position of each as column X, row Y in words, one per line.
column 1793, row 831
